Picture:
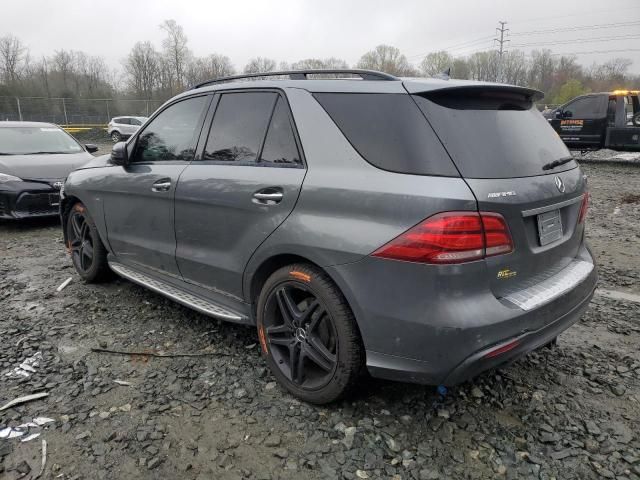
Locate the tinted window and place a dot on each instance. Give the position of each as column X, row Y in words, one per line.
column 389, row 131
column 584, row 108
column 493, row 137
column 135, row 121
column 172, row 134
column 280, row 145
column 239, row 126
column 122, row 121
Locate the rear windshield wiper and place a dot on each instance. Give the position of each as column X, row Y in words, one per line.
column 45, row 153
column 556, row 163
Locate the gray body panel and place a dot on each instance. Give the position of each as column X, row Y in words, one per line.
column 423, row 323
column 218, row 224
column 141, row 221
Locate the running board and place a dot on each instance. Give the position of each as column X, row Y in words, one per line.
column 176, row 294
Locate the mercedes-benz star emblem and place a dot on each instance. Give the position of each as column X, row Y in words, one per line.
column 560, row 184
column 57, row 185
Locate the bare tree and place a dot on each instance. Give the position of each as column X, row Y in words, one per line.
column 460, row 69
column 13, row 57
column 513, row 68
column 260, row 64
column 318, row 64
column 435, row 63
column 483, row 66
column 386, row 58
column 541, row 70
column 142, row 68
column 176, row 52
column 208, row 68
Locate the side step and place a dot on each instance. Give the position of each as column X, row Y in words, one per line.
column 177, row 294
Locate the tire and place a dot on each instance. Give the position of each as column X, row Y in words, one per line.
column 115, row 136
column 635, row 121
column 88, row 254
column 319, row 316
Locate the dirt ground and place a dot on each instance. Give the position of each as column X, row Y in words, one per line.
column 568, row 412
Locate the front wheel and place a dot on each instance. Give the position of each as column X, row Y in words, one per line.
column 308, row 334
column 88, row 254
column 636, row 120
column 116, row 137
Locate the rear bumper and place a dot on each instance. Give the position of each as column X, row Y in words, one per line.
column 28, row 200
column 439, row 331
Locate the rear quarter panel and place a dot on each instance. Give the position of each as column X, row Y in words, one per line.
column 347, row 208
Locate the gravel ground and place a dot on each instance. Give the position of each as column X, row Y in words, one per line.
column 567, row 412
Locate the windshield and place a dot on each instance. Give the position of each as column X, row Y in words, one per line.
column 31, row 140
column 497, row 135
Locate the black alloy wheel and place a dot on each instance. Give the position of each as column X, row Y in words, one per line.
column 308, row 334
column 302, row 335
column 87, row 251
column 80, row 241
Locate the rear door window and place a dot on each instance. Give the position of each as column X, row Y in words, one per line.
column 388, row 131
column 239, row 127
column 122, row 121
column 280, row 149
column 493, row 135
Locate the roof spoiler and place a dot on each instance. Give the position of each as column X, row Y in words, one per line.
column 469, row 88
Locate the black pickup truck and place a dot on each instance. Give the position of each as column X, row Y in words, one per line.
column 600, row 120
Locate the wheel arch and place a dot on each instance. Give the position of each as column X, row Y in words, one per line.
column 66, row 204
column 255, row 280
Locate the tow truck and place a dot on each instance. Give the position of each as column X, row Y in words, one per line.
column 600, row 120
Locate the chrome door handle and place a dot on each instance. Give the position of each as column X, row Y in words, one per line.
column 268, row 197
column 161, row 186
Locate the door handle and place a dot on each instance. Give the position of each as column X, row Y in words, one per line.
column 161, row 185
column 268, row 196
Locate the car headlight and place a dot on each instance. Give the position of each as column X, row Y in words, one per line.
column 8, row 178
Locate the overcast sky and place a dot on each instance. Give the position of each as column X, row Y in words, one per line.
column 291, row 30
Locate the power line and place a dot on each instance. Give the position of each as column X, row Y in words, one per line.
column 599, row 51
column 573, row 15
column 578, row 28
column 578, row 40
column 457, row 46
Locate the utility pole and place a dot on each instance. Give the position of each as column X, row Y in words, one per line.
column 501, row 31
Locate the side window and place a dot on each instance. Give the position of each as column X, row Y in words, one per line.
column 584, row 108
column 280, row 145
column 172, row 134
column 123, row 121
column 135, row 121
column 239, row 127
column 611, row 112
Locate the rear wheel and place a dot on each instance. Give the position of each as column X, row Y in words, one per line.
column 308, row 334
column 636, row 120
column 116, row 137
column 88, row 254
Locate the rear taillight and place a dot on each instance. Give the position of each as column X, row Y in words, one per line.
column 584, row 207
column 451, row 237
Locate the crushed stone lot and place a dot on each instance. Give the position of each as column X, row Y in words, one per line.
column 571, row 411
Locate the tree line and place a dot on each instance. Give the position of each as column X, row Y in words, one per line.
column 159, row 72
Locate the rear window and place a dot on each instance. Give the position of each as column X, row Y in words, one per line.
column 389, row 131
column 494, row 134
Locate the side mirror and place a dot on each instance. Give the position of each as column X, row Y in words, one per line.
column 567, row 114
column 119, row 154
column 558, row 113
column 90, row 147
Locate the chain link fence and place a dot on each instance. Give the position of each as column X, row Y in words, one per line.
column 73, row 111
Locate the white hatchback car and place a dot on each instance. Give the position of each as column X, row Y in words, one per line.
column 120, row 128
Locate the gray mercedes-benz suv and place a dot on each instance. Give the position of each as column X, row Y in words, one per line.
column 423, row 229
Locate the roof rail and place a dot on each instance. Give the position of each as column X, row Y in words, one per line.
column 302, row 75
